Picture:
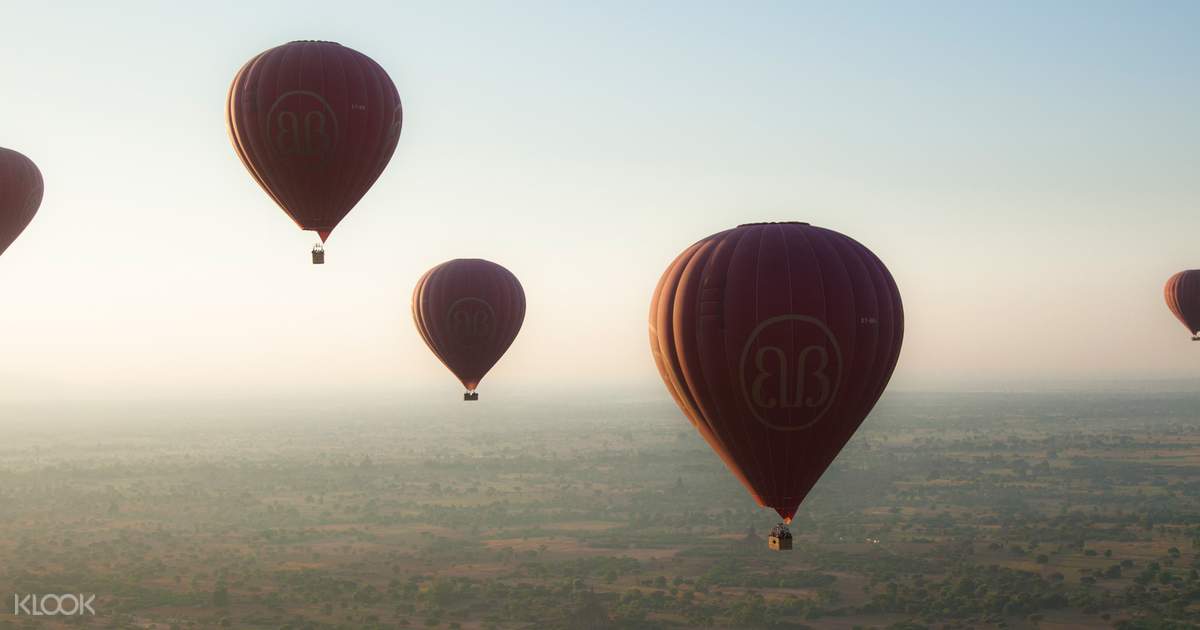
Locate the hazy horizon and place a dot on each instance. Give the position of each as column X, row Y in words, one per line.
column 1024, row 170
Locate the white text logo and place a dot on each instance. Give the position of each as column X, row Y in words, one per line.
column 51, row 605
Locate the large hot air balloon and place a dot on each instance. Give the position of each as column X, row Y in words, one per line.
column 468, row 311
column 20, row 195
column 776, row 340
column 315, row 123
column 1183, row 298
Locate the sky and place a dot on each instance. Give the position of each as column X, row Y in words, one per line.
column 1029, row 172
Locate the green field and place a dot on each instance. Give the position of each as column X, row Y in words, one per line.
column 945, row 511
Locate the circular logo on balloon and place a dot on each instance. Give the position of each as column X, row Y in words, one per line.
column 790, row 371
column 471, row 322
column 302, row 125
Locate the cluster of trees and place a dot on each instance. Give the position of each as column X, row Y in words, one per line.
column 947, row 509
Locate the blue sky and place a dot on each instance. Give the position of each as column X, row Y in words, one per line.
column 1028, row 171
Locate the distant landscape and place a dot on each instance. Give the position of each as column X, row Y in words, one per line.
column 1014, row 510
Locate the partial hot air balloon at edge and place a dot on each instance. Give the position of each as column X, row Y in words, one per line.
column 315, row 123
column 21, row 189
column 776, row 340
column 468, row 311
column 1182, row 292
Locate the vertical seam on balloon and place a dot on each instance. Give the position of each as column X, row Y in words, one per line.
column 357, row 185
column 365, row 179
column 315, row 206
column 1172, row 286
column 895, row 329
column 1193, row 279
column 497, row 281
column 1175, row 303
column 661, row 345
column 23, row 181
column 246, row 130
column 517, row 318
column 1188, row 283
column 517, row 308
column 879, row 274
column 418, row 315
column 254, row 160
column 336, row 207
column 810, row 481
column 431, row 322
column 462, row 285
column 852, row 249
column 730, row 449
column 669, row 350
column 426, row 301
column 354, row 186
column 293, row 207
column 483, row 279
column 791, row 308
column 896, row 339
column 312, row 207
column 459, row 284
column 834, row 242
column 389, row 95
column 1173, row 297
column 437, row 283
column 513, row 329
column 323, row 203
column 436, row 289
column 481, row 276
column 735, row 376
column 234, row 126
column 707, row 257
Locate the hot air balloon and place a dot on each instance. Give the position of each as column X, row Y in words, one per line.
column 315, row 123
column 776, row 340
column 21, row 191
column 1183, row 298
column 468, row 311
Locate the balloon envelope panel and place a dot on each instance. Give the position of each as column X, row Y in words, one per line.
column 468, row 311
column 776, row 340
column 1183, row 298
column 315, row 123
column 21, row 190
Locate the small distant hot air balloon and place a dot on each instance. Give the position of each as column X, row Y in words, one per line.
column 315, row 123
column 21, row 191
column 1183, row 298
column 776, row 340
column 468, row 311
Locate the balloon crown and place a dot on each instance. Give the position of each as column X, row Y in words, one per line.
column 774, row 223
column 313, row 41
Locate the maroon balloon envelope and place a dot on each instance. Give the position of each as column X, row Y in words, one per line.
column 1183, row 298
column 468, row 311
column 315, row 123
column 21, row 190
column 776, row 340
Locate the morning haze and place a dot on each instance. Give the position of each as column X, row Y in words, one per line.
column 203, row 430
column 1025, row 173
